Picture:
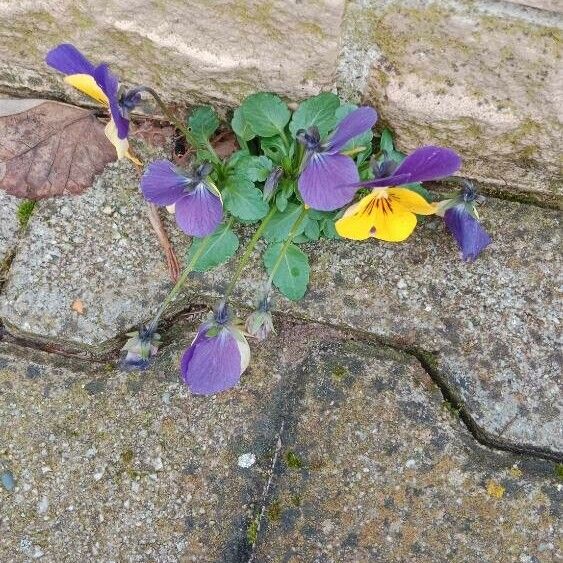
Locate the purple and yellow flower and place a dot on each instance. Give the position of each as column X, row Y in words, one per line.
column 327, row 181
column 141, row 347
column 197, row 202
column 217, row 357
column 389, row 213
column 462, row 220
column 100, row 84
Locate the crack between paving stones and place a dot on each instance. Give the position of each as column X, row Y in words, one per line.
column 449, row 392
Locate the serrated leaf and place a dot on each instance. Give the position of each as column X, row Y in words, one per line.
column 241, row 127
column 386, row 142
column 203, row 122
column 318, row 110
column 280, row 224
column 311, row 229
column 292, row 274
column 255, row 168
column 329, row 229
column 222, row 245
column 266, row 114
column 273, row 148
column 243, row 200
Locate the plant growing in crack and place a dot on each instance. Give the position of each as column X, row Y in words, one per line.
column 296, row 175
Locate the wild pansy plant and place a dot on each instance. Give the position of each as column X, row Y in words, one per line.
column 295, row 177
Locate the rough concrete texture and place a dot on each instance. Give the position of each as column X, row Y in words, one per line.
column 9, row 225
column 482, row 77
column 197, row 52
column 111, row 466
column 491, row 329
column 552, row 5
column 95, row 252
column 389, row 475
column 115, row 466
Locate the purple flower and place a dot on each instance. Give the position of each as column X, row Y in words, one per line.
column 462, row 220
column 327, row 180
column 422, row 165
column 198, row 204
column 217, row 357
column 141, row 347
column 99, row 83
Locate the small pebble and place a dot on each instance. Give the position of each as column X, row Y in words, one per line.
column 7, row 480
column 246, row 460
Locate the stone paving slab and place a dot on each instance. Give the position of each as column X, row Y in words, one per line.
column 9, row 224
column 491, row 328
column 111, row 466
column 375, row 469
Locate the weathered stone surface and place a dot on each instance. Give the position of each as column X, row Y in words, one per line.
column 491, row 328
column 483, row 78
column 552, row 5
column 115, row 466
column 375, row 469
column 97, row 248
column 9, row 224
column 197, row 52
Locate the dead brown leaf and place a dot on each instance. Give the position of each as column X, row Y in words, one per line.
column 49, row 148
column 78, row 306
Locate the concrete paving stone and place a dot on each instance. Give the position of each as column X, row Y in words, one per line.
column 115, row 466
column 375, row 469
column 491, row 328
column 480, row 77
column 9, row 224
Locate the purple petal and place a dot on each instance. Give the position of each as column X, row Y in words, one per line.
column 162, row 183
column 471, row 238
column 108, row 82
column 66, row 58
column 355, row 123
column 211, row 364
column 327, row 181
column 426, row 163
column 200, row 212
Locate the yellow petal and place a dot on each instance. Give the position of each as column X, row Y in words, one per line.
column 86, row 83
column 392, row 222
column 357, row 223
column 121, row 145
column 410, row 201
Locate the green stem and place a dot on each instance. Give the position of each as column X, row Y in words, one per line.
column 178, row 124
column 185, row 273
column 292, row 234
column 248, row 251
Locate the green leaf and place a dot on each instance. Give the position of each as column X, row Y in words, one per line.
column 292, row 274
column 255, row 168
column 329, row 229
column 203, row 122
column 241, row 127
column 243, row 200
column 312, row 230
column 318, row 110
column 273, row 148
column 280, row 224
column 386, row 142
column 363, row 140
column 266, row 114
column 222, row 245
column 281, row 201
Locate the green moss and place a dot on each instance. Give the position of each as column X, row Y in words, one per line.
column 293, row 461
column 339, row 372
column 274, row 511
column 454, row 411
column 559, row 471
column 127, row 456
column 24, row 211
column 252, row 530
column 428, row 359
column 296, row 501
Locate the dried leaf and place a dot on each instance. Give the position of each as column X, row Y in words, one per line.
column 225, row 144
column 78, row 306
column 49, row 148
